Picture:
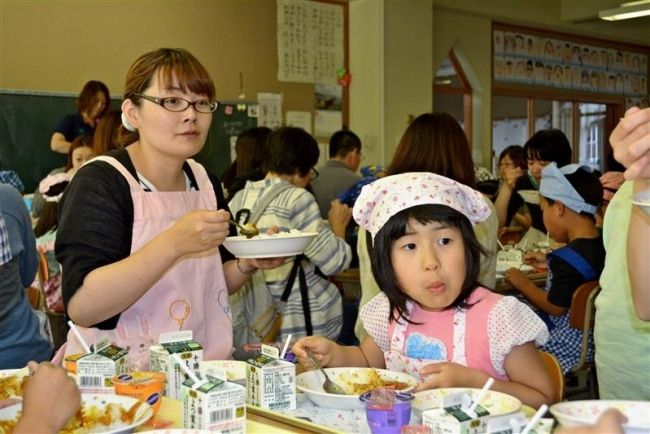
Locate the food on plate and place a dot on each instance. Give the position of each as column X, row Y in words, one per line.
column 284, row 234
column 90, row 418
column 373, row 380
column 12, row 385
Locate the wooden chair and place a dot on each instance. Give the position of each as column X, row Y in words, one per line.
column 581, row 316
column 557, row 376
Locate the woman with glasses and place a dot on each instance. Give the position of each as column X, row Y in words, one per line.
column 290, row 167
column 141, row 228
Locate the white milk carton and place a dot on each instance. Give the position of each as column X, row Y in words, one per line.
column 214, row 405
column 162, row 359
column 96, row 370
column 270, row 381
column 455, row 416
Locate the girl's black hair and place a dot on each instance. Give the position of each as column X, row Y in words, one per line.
column 382, row 267
column 549, row 145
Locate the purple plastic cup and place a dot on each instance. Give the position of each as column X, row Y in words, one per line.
column 388, row 419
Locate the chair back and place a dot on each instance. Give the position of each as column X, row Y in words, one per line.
column 581, row 316
column 557, row 376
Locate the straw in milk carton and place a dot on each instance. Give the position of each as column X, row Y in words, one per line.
column 459, row 414
column 271, row 381
column 213, row 404
column 96, row 370
column 188, row 350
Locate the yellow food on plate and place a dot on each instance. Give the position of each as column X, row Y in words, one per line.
column 372, row 381
column 12, row 386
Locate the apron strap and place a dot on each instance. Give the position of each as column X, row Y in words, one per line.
column 133, row 183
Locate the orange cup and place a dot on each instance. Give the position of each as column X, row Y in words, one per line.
column 70, row 362
column 145, row 386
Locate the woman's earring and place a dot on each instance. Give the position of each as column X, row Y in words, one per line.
column 127, row 124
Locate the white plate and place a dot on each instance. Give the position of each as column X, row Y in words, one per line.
column 311, row 383
column 496, row 403
column 574, row 413
column 529, row 196
column 269, row 246
column 642, row 200
column 235, row 369
column 19, row 374
column 100, row 401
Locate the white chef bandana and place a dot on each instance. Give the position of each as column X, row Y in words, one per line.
column 554, row 185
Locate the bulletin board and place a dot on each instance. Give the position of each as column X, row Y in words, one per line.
column 569, row 65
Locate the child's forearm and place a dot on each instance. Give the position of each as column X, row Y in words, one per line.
column 347, row 356
column 539, row 298
column 527, row 395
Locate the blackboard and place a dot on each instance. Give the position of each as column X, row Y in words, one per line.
column 229, row 120
column 28, row 119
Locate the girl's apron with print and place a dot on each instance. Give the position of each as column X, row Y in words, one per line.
column 192, row 295
column 397, row 360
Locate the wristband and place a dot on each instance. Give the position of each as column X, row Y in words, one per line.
column 243, row 270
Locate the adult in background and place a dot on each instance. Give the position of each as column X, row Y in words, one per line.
column 110, row 133
column 92, row 103
column 141, row 228
column 338, row 174
column 541, row 149
column 251, row 148
column 622, row 330
column 292, row 155
column 436, row 143
column 20, row 337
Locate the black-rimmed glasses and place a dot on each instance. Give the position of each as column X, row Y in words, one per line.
column 313, row 174
column 176, row 104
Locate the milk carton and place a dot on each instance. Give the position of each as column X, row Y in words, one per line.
column 96, row 370
column 455, row 417
column 162, row 359
column 214, row 405
column 270, row 381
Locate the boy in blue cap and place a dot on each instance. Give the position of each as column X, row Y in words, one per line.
column 570, row 197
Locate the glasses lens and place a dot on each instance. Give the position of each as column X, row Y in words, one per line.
column 175, row 104
column 206, row 106
column 314, row 173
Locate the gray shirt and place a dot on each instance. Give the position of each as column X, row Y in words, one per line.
column 334, row 178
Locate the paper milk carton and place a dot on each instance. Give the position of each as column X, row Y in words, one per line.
column 270, row 381
column 96, row 370
column 455, row 417
column 162, row 359
column 214, row 405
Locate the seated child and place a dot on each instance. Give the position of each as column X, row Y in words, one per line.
column 570, row 198
column 432, row 319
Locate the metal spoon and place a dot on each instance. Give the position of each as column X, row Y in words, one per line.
column 328, row 386
column 249, row 229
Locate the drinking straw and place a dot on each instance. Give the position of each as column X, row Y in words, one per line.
column 286, row 346
column 187, row 370
column 481, row 394
column 500, row 245
column 533, row 421
column 81, row 340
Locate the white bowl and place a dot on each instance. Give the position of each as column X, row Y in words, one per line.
column 269, row 246
column 235, row 369
column 529, row 196
column 575, row 413
column 311, row 383
column 642, row 200
column 496, row 403
column 100, row 401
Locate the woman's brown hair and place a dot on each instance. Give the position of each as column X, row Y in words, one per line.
column 88, row 96
column 110, row 134
column 435, row 142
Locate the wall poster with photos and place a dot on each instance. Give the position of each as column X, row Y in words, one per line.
column 568, row 63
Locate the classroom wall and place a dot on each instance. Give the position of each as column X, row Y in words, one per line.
column 465, row 25
column 59, row 45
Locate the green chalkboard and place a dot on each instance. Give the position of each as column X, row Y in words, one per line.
column 28, row 119
column 231, row 119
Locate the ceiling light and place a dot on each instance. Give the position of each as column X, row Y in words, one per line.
column 626, row 11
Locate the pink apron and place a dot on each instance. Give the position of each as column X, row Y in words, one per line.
column 192, row 295
column 396, row 359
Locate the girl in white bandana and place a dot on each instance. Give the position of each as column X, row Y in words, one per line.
column 432, row 319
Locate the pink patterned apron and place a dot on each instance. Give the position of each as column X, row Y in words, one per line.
column 192, row 295
column 396, row 359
